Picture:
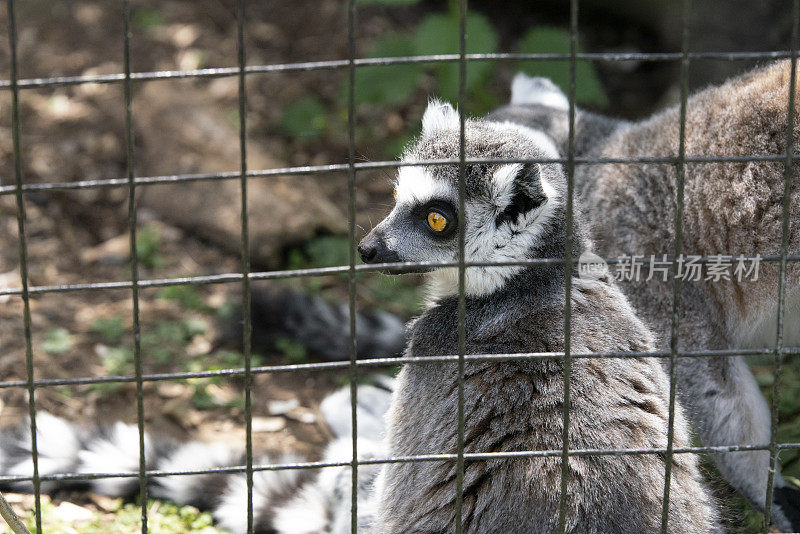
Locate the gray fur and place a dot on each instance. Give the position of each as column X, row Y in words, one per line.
column 730, row 209
column 518, row 405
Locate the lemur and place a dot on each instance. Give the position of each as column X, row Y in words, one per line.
column 728, row 205
column 511, row 212
column 730, row 209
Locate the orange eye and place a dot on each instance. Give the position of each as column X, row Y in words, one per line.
column 394, row 194
column 437, row 221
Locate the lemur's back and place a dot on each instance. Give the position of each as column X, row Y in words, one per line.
column 518, row 406
column 731, row 208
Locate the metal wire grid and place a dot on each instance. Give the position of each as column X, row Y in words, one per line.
column 246, row 276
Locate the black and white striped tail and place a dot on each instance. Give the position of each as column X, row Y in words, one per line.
column 284, row 501
column 322, row 327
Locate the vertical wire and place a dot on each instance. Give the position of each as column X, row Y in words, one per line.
column 680, row 170
column 134, row 265
column 573, row 47
column 462, row 89
column 351, row 274
column 245, row 245
column 23, row 259
column 787, row 192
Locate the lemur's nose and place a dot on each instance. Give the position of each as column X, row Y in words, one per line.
column 367, row 252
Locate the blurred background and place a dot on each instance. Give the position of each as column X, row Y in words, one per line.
column 294, row 118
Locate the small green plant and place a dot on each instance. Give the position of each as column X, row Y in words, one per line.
column 440, row 34
column 305, row 119
column 186, row 296
column 396, row 294
column 388, row 2
column 201, row 398
column 57, row 341
column 126, row 518
column 588, row 87
column 109, row 329
column 148, row 244
column 323, row 251
column 293, row 352
column 118, row 360
column 147, row 19
column 388, row 85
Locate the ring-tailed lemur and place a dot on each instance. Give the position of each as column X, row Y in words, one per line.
column 730, row 209
column 512, row 212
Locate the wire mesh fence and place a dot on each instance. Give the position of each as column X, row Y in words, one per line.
column 15, row 85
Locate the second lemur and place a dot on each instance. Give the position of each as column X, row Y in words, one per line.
column 512, row 212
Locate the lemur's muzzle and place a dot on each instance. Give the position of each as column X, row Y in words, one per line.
column 373, row 249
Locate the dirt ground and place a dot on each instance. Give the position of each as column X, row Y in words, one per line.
column 77, row 133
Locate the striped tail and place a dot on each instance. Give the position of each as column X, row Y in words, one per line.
column 287, row 501
column 323, row 328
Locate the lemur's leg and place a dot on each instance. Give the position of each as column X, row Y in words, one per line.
column 725, row 406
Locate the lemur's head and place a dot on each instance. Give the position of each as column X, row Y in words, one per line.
column 513, row 211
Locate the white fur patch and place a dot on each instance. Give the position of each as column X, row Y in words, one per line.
column 191, row 456
column 487, row 243
column 503, row 179
column 537, row 90
column 542, row 140
column 231, row 513
column 304, row 514
column 116, row 454
column 439, row 116
column 57, row 447
column 372, row 404
column 415, row 185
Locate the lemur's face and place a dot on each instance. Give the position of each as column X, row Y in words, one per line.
column 509, row 207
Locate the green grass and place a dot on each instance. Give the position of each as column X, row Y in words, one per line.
column 126, row 519
column 57, row 341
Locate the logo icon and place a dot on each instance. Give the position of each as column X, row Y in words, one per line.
column 591, row 266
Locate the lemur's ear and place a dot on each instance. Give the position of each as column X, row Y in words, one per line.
column 439, row 116
column 518, row 190
column 537, row 90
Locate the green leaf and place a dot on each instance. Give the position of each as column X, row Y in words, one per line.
column 118, row 360
column 305, row 119
column 545, row 40
column 148, row 243
column 440, row 34
column 328, row 251
column 110, row 329
column 147, row 19
column 57, row 341
column 387, row 2
column 292, row 351
column 187, row 297
column 387, row 84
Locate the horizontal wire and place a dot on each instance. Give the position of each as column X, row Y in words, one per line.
column 474, row 456
column 387, row 362
column 370, row 165
column 343, row 269
column 221, row 72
